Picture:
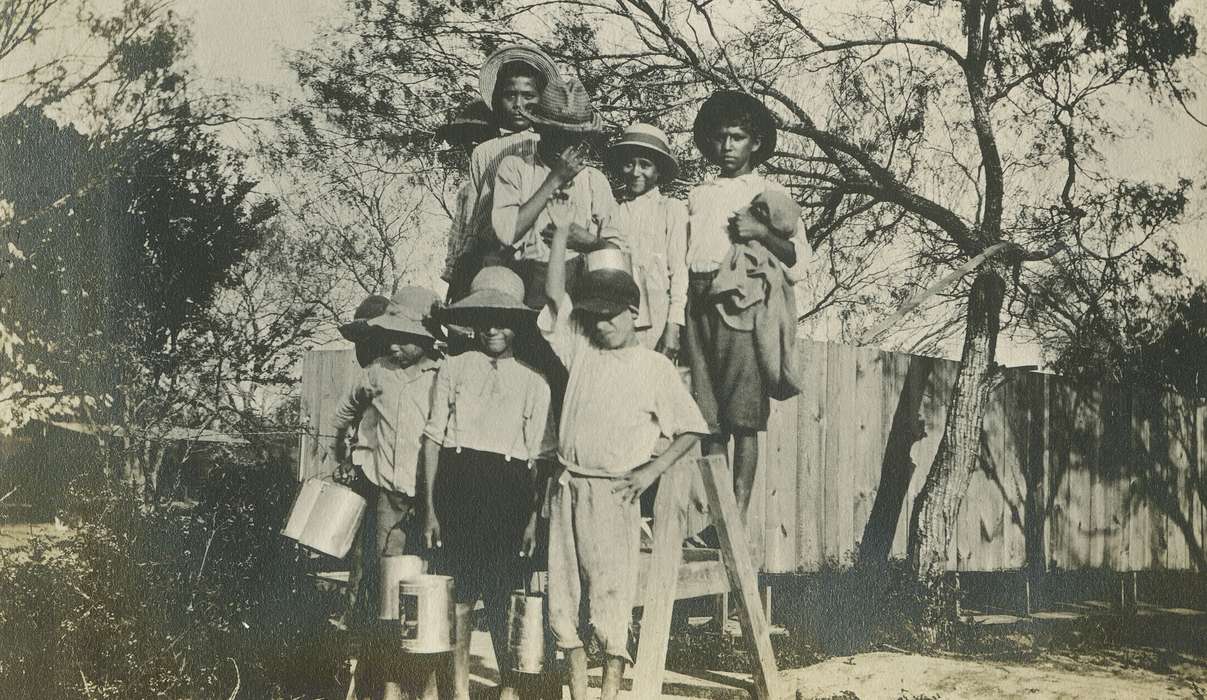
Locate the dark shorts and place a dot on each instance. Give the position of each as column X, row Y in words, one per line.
column 483, row 502
column 389, row 527
column 726, row 380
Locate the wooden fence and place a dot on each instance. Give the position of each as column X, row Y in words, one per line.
column 1073, row 477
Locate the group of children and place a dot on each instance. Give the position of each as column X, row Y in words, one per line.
column 572, row 310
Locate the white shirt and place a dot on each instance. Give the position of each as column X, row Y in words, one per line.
column 654, row 227
column 709, row 208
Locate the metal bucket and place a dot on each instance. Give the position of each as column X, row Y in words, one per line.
column 394, row 570
column 426, row 614
column 528, row 638
column 325, row 517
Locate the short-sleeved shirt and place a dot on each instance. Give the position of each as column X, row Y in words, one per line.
column 392, row 404
column 654, row 227
column 622, row 406
column 491, row 405
column 586, row 200
column 709, row 208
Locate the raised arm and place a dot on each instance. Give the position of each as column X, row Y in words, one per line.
column 555, row 277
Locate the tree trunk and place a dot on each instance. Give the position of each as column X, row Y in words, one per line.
column 934, row 515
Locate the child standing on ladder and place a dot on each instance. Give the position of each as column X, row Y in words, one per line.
column 389, row 402
column 741, row 315
column 654, row 228
column 486, row 432
column 624, row 404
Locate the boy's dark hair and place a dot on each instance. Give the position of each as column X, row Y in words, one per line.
column 741, row 118
column 517, row 69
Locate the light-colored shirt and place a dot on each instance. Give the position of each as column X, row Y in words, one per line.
column 460, row 233
column 709, row 208
column 491, row 405
column 654, row 228
column 622, row 406
column 586, row 200
column 483, row 163
column 392, row 404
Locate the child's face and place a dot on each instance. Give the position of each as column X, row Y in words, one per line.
column 405, row 353
column 732, row 148
column 516, row 93
column 611, row 333
column 494, row 340
column 640, row 173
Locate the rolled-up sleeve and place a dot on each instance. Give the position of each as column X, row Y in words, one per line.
column 355, row 399
column 561, row 331
column 508, row 197
column 676, row 260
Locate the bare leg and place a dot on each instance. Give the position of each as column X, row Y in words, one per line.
column 460, row 659
column 613, row 674
column 496, row 620
column 745, row 462
column 576, row 660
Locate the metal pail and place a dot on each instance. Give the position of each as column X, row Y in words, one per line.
column 325, row 517
column 394, row 570
column 528, row 638
column 426, row 613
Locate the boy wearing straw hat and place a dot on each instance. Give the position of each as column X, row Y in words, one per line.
column 486, row 431
column 389, row 402
column 740, row 310
column 553, row 188
column 627, row 417
column 654, row 227
column 511, row 79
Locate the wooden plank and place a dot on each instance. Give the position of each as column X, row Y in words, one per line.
column 660, row 591
column 1175, row 494
column 1060, row 421
column 1016, row 433
column 1140, row 520
column 1200, row 444
column 912, row 392
column 869, row 436
column 779, row 553
column 1080, row 458
column 1113, row 447
column 812, row 418
column 756, row 516
column 839, row 473
column 755, row 629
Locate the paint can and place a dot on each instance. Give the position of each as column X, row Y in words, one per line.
column 325, row 517
column 394, row 570
column 528, row 638
column 426, row 613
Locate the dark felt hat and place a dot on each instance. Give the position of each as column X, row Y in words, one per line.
column 472, row 123
column 719, row 108
column 606, row 287
column 358, row 329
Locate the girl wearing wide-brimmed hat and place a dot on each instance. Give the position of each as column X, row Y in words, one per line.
column 486, row 432
column 654, row 227
column 553, row 188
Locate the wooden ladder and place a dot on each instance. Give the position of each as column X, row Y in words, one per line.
column 669, row 578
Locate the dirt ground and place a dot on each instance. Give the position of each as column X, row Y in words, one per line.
column 893, row 675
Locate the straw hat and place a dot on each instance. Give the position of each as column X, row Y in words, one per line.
column 565, row 106
column 472, row 123
column 408, row 312
column 721, row 105
column 489, row 75
column 495, row 293
column 652, row 141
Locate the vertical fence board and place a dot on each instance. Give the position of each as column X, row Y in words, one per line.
column 1080, row 447
column 839, row 474
column 896, row 390
column 869, row 431
column 1016, row 427
column 1113, row 446
column 811, row 458
column 779, row 549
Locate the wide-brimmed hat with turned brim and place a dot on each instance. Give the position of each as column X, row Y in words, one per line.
column 409, row 312
column 496, row 294
column 720, row 107
column 357, row 330
column 488, row 76
column 471, row 124
column 650, row 140
column 606, row 287
column 565, row 107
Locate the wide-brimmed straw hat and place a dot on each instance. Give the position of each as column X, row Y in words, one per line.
column 565, row 106
column 720, row 106
column 472, row 123
column 514, row 53
column 651, row 140
column 496, row 293
column 408, row 312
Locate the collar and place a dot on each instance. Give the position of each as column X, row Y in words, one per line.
column 416, row 370
column 649, row 195
column 717, row 180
